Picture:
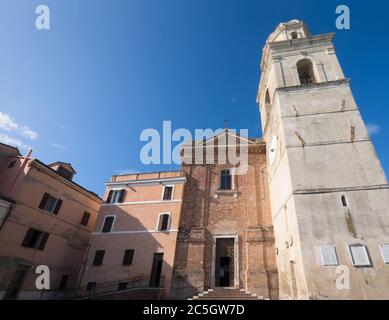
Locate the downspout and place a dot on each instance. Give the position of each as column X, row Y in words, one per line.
column 21, row 168
column 82, row 272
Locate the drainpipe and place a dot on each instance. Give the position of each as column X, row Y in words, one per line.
column 21, row 168
column 82, row 272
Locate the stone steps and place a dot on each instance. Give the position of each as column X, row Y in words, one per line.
column 226, row 294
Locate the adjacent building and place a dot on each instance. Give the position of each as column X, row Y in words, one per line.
column 133, row 245
column 45, row 219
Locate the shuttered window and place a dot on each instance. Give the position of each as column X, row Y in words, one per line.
column 35, row 239
column 50, row 203
column 359, row 255
column 385, row 252
column 328, row 255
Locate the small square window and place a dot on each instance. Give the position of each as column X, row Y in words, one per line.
column 99, row 256
column 123, row 286
column 359, row 255
column 11, row 164
column 108, row 224
column 164, row 222
column 167, row 193
column 328, row 255
column 91, row 286
column 385, row 252
column 85, row 218
column 63, row 283
column 128, row 257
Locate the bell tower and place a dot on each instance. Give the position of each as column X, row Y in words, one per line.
column 329, row 194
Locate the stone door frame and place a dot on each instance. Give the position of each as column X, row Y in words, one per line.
column 236, row 257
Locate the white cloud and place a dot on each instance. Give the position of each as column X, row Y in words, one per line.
column 4, row 138
column 57, row 145
column 9, row 124
column 373, row 128
column 28, row 133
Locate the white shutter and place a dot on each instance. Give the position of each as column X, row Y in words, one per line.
column 359, row 255
column 385, row 252
column 328, row 255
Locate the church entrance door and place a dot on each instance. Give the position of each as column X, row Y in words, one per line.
column 224, row 262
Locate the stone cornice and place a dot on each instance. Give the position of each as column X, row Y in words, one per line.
column 313, row 86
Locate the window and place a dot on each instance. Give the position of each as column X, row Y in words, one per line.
column 35, row 239
column 128, row 257
column 294, row 35
column 359, row 255
column 116, row 196
column 108, row 223
column 385, row 252
column 63, row 282
column 99, row 256
column 50, row 204
column 328, row 255
column 225, row 180
column 123, row 286
column 167, row 193
column 91, row 286
column 164, row 222
column 305, row 71
column 344, row 201
column 11, row 164
column 85, row 218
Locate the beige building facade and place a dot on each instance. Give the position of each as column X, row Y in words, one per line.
column 133, row 245
column 46, row 219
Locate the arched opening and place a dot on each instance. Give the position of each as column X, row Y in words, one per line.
column 305, row 71
column 267, row 103
column 294, row 35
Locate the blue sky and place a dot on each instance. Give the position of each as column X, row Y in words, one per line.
column 83, row 91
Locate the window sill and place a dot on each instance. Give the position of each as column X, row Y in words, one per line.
column 233, row 193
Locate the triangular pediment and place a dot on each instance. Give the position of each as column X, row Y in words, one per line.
column 227, row 136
